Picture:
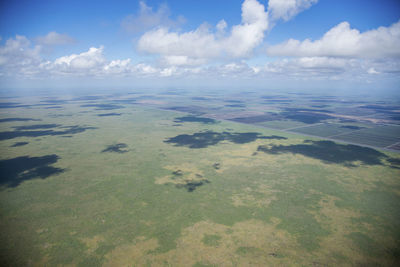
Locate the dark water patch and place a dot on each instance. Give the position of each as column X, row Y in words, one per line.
column 19, row 144
column 190, row 186
column 66, row 136
column 195, row 119
column 210, row 138
column 36, row 126
column 109, row 114
column 18, row 119
column 103, row 106
column 177, row 124
column 352, row 127
column 117, row 148
column 236, row 105
column 23, row 133
column 17, row 170
column 329, row 152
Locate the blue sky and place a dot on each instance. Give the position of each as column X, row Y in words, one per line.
column 280, row 43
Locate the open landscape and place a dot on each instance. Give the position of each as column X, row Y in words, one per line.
column 200, row 133
column 169, row 178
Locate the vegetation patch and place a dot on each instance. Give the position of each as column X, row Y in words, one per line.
column 211, row 240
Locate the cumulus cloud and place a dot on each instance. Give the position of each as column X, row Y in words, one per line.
column 287, row 9
column 54, row 38
column 201, row 44
column 18, row 55
column 90, row 59
column 147, row 19
column 343, row 41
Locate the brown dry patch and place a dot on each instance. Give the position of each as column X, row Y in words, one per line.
column 135, row 254
column 92, row 243
column 260, row 197
column 339, row 221
column 248, row 243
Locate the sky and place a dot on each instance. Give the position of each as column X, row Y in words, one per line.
column 325, row 44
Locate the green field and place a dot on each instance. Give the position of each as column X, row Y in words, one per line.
column 151, row 187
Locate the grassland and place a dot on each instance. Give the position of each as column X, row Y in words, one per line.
column 159, row 188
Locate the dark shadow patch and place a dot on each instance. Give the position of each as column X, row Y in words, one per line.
column 54, row 101
column 217, row 166
column 256, row 119
column 117, row 148
column 195, row 119
column 306, row 117
column 17, row 170
column 236, row 105
column 234, row 101
column 23, row 133
column 329, row 152
column 20, row 144
column 18, row 119
column 124, row 101
column 352, row 127
column 177, row 173
column 103, row 106
column 13, row 105
column 109, row 114
column 195, row 110
column 54, row 107
column 200, row 98
column 190, row 186
column 394, row 163
column 36, row 126
column 209, row 138
column 87, row 98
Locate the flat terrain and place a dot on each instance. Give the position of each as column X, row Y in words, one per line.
column 175, row 178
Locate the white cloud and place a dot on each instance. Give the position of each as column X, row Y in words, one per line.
column 202, row 44
column 54, row 38
column 287, row 9
column 90, row 59
column 342, row 41
column 18, row 56
column 147, row 19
